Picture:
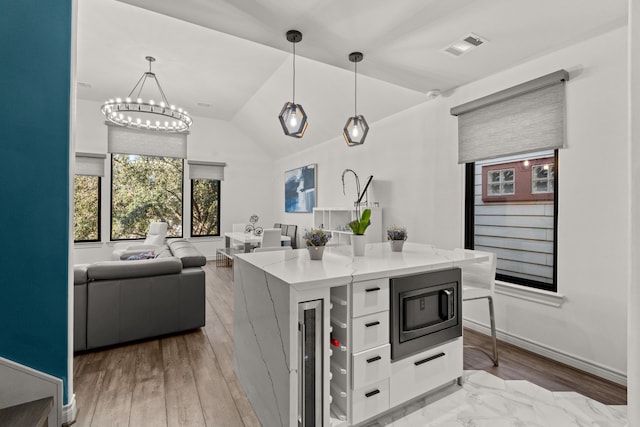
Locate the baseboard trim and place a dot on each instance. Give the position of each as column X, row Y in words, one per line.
column 69, row 412
column 551, row 353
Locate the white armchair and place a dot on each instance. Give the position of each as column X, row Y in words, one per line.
column 155, row 238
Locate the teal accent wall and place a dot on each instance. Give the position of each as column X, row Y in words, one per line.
column 35, row 58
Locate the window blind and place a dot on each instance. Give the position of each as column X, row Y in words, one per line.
column 91, row 164
column 146, row 143
column 206, row 170
column 525, row 118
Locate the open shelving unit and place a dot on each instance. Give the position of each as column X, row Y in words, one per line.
column 335, row 220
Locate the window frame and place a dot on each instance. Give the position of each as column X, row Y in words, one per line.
column 217, row 213
column 469, row 227
column 547, row 179
column 501, row 182
column 99, row 225
column 182, row 175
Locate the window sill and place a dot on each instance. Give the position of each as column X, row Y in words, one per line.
column 539, row 296
column 83, row 245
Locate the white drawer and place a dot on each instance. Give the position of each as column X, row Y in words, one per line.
column 370, row 331
column 370, row 296
column 423, row 372
column 369, row 401
column 370, row 366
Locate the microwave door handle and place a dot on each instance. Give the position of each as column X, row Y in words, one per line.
column 450, row 304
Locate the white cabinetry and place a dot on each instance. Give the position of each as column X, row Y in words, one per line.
column 375, row 384
column 418, row 374
column 335, row 220
column 370, row 348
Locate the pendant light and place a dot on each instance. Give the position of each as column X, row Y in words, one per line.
column 356, row 129
column 146, row 115
column 292, row 117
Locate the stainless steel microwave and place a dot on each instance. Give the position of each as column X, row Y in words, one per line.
column 425, row 311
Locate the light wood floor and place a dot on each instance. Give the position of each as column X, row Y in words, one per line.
column 188, row 379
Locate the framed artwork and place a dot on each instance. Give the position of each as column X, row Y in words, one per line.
column 300, row 189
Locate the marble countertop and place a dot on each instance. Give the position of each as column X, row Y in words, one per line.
column 339, row 267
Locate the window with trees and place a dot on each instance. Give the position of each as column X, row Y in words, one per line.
column 205, row 207
column 145, row 189
column 86, row 209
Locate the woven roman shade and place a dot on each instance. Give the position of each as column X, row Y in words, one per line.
column 206, row 170
column 91, row 164
column 123, row 140
column 522, row 119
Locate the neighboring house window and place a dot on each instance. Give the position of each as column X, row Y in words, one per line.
column 205, row 207
column 517, row 223
column 86, row 209
column 145, row 189
column 542, row 177
column 501, row 182
column 517, row 181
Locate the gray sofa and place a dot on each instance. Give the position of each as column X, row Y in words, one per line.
column 127, row 300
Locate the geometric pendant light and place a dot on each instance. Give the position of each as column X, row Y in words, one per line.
column 356, row 129
column 292, row 117
column 133, row 112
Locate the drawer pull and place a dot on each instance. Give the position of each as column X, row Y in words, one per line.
column 428, row 359
column 368, row 325
column 372, row 393
column 372, row 289
column 374, row 359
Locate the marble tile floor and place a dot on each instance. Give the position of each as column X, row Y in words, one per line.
column 485, row 400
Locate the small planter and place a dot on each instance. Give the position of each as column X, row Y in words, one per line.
column 358, row 242
column 396, row 245
column 315, row 252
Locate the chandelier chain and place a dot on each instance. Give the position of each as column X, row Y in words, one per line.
column 143, row 79
column 294, row 72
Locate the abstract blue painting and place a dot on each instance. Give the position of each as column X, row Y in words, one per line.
column 300, row 189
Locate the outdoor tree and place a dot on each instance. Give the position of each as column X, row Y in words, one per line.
column 145, row 189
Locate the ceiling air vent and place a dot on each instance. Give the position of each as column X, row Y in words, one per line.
column 463, row 46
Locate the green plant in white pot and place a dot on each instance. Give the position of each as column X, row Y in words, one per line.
column 396, row 235
column 358, row 227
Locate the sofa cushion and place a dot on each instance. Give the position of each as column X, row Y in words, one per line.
column 188, row 254
column 163, row 252
column 109, row 270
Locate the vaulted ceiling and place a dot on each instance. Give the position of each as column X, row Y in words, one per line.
column 230, row 60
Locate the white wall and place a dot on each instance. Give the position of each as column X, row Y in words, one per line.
column 244, row 191
column 396, row 152
column 413, row 157
column 593, row 212
column 633, row 394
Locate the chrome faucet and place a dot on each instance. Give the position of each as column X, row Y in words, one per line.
column 357, row 185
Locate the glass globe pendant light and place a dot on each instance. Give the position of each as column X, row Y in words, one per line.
column 356, row 129
column 292, row 117
column 133, row 112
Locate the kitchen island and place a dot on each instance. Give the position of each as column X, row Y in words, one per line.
column 312, row 339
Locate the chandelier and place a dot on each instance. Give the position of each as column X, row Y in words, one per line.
column 133, row 112
column 292, row 117
column 356, row 128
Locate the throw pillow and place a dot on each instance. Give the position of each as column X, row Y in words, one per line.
column 143, row 255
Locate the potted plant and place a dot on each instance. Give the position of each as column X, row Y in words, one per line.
column 358, row 227
column 396, row 235
column 316, row 239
